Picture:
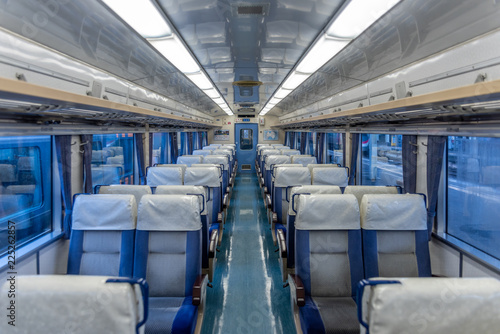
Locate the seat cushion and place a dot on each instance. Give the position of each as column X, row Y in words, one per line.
column 171, row 315
column 337, row 315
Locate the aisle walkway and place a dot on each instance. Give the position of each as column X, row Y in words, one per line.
column 247, row 296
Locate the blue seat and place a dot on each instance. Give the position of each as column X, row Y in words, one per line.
column 269, row 163
column 202, row 152
column 102, row 237
column 304, row 160
column 286, row 241
column 188, row 160
column 329, row 175
column 163, row 175
column 168, row 255
column 229, row 153
column 395, row 238
column 328, row 265
column 223, row 161
column 127, row 189
column 360, row 191
column 263, row 155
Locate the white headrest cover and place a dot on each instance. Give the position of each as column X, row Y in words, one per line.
column 265, row 153
column 330, row 176
column 215, row 145
column 230, row 145
column 104, row 212
column 327, row 212
column 359, row 191
column 393, row 212
column 291, row 176
column 169, row 213
column 332, row 190
column 230, row 148
column 210, row 147
column 290, row 152
column 276, row 160
column 262, row 145
column 164, row 175
column 184, row 190
column 218, row 160
column 190, row 159
column 311, row 166
column 227, row 152
column 137, row 190
column 276, row 145
column 433, row 306
column 202, row 152
column 202, row 176
column 265, row 148
column 72, row 303
column 304, row 160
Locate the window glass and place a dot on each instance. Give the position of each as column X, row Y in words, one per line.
column 26, row 188
column 113, row 159
column 161, row 150
column 334, row 148
column 381, row 160
column 473, row 202
column 246, row 139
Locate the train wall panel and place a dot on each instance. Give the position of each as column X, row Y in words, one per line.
column 445, row 261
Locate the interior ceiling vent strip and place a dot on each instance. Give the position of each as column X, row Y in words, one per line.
column 250, row 10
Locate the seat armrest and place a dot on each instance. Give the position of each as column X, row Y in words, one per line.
column 224, row 201
column 213, row 244
column 269, row 203
column 219, row 218
column 299, row 288
column 282, row 243
column 198, row 289
column 262, row 181
column 274, row 218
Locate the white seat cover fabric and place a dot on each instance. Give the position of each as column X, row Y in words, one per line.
column 185, row 190
column 190, row 159
column 291, row 176
column 329, row 176
column 303, row 160
column 276, row 160
column 165, row 175
column 203, row 176
column 433, row 306
column 202, row 152
column 169, row 213
column 72, row 304
column 104, row 212
column 312, row 189
column 137, row 190
column 217, row 160
column 289, row 152
column 359, row 191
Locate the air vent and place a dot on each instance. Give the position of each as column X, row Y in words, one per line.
column 250, row 10
column 246, row 116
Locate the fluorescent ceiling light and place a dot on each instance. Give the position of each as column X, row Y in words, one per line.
column 294, row 80
column 322, row 51
column 141, row 15
column 282, row 93
column 200, row 80
column 359, row 15
column 274, row 101
column 212, row 93
column 176, row 53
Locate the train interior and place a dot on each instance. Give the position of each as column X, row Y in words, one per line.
column 222, row 166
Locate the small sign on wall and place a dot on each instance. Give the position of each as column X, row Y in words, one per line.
column 221, row 135
column 271, row 135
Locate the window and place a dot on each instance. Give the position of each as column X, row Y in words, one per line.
column 161, row 148
column 474, row 192
column 113, row 159
column 334, row 148
column 381, row 160
column 26, row 189
column 246, row 139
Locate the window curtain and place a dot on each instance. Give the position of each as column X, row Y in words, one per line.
column 409, row 151
column 141, row 163
column 86, row 148
column 63, row 151
column 287, row 139
column 200, row 140
column 150, row 162
column 354, row 157
column 164, row 149
column 303, row 142
column 435, row 152
column 174, row 148
column 190, row 143
column 204, row 141
column 320, row 147
column 292, row 140
column 343, row 149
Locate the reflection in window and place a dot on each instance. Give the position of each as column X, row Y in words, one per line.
column 26, row 188
column 161, row 148
column 246, row 139
column 113, row 159
column 381, row 159
column 474, row 192
column 334, row 148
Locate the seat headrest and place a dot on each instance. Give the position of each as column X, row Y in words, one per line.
column 393, row 212
column 289, row 152
column 291, row 176
column 218, row 160
column 231, row 148
column 277, row 145
column 128, row 189
column 169, row 213
column 104, row 212
column 359, row 191
column 202, row 176
column 202, row 152
column 185, row 190
column 327, row 212
column 432, row 305
column 303, row 160
column 224, row 151
column 276, row 160
column 87, row 304
column 190, row 159
column 311, row 166
column 330, row 176
column 215, row 145
column 310, row 189
column 210, row 147
column 266, row 148
column 157, row 176
column 269, row 152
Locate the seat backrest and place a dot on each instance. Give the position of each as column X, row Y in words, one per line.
column 157, row 176
column 265, row 153
column 215, row 145
column 137, row 190
column 395, row 239
column 228, row 153
column 168, row 244
column 207, row 176
column 304, row 160
column 116, row 160
column 335, row 176
column 186, row 190
column 190, row 159
column 273, row 160
column 430, row 305
column 359, row 191
column 83, row 304
column 202, row 152
column 328, row 245
column 218, row 160
column 285, row 177
column 210, row 148
column 102, row 237
column 277, row 145
column 289, row 152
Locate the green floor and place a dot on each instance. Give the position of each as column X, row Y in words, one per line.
column 247, row 294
